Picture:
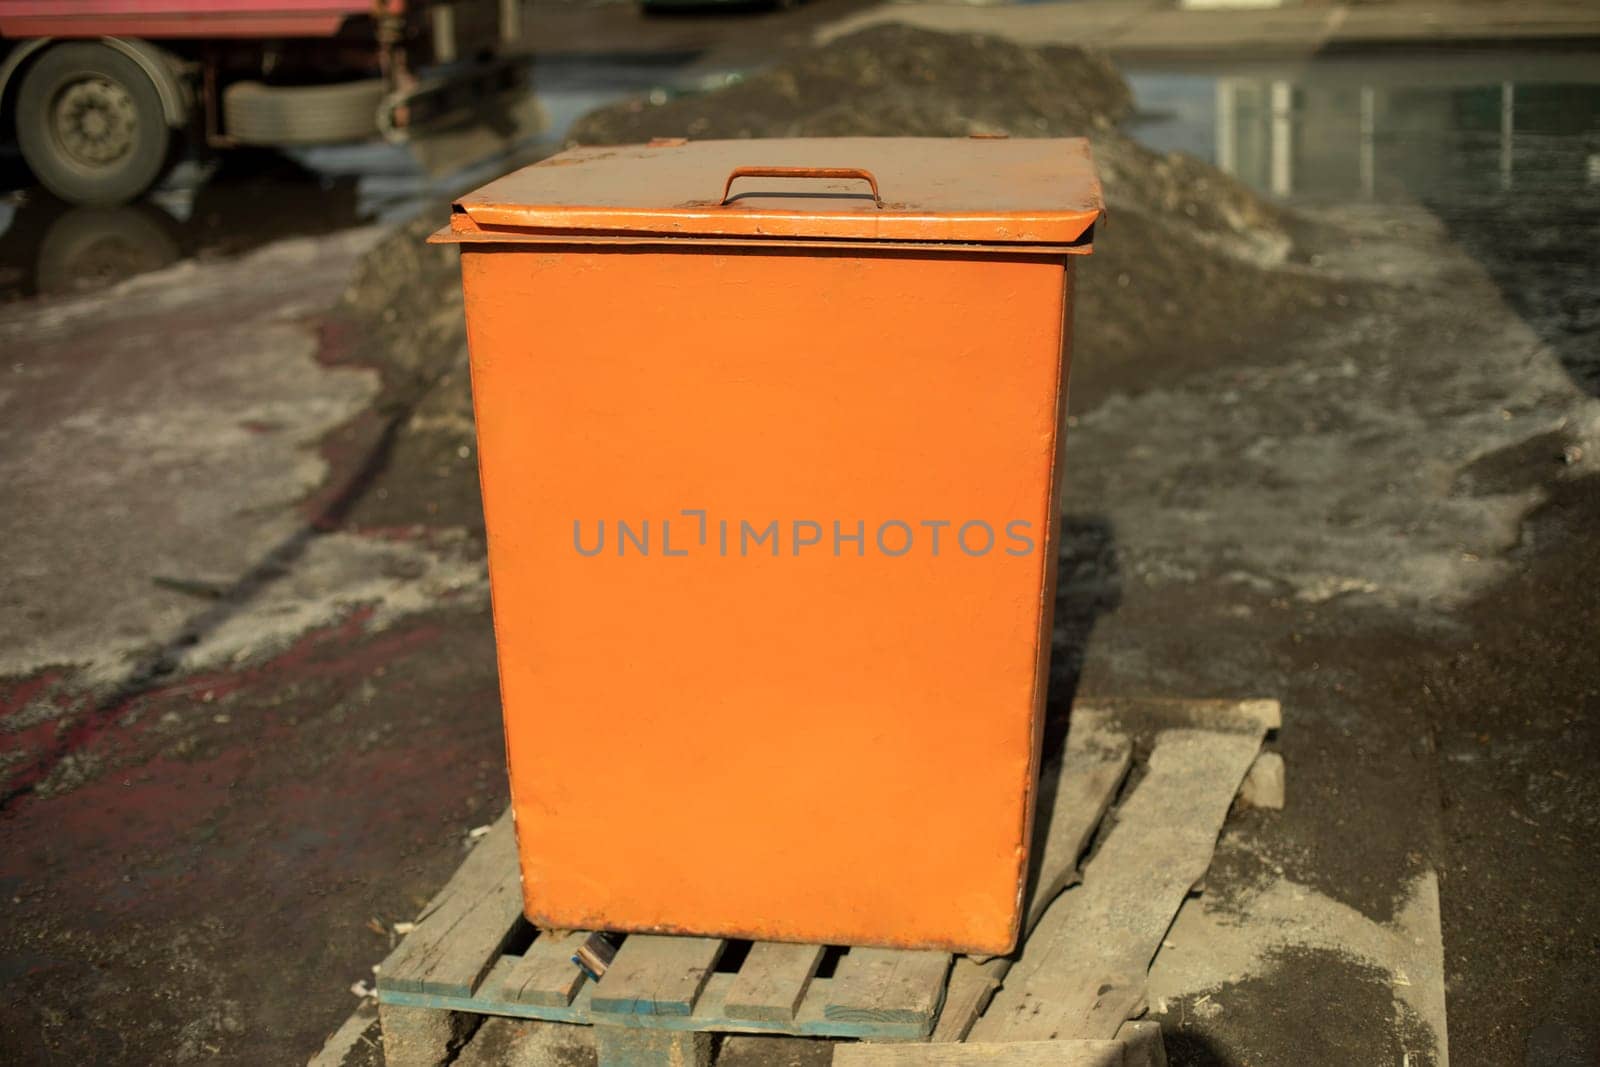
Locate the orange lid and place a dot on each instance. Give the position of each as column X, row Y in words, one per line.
column 992, row 191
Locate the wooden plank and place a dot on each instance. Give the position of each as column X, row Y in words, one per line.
column 773, row 981
column 888, row 985
column 657, row 975
column 1136, row 714
column 464, row 927
column 1005, row 1054
column 1082, row 973
column 811, row 1020
column 1073, row 798
column 972, row 985
column 708, row 1014
column 545, row 974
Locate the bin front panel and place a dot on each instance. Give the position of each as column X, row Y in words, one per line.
column 719, row 726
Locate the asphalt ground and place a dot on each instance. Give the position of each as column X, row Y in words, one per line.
column 249, row 703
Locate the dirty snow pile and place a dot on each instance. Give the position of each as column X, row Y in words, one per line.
column 1178, row 228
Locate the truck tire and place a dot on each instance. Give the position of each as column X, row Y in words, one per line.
column 90, row 124
column 253, row 113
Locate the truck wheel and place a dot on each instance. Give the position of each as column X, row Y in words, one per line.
column 90, row 124
column 253, row 113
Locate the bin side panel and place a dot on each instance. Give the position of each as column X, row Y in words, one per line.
column 725, row 714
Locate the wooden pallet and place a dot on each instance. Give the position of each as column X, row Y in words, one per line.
column 466, row 955
column 473, row 955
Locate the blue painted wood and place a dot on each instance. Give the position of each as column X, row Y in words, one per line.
column 709, row 1012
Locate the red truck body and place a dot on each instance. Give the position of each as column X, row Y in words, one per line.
column 218, row 19
column 99, row 92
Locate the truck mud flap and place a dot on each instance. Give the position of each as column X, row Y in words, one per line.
column 449, row 94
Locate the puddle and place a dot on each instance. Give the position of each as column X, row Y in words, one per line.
column 1502, row 148
column 248, row 198
column 1437, row 128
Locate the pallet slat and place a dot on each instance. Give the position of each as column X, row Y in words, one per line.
column 1073, row 797
column 972, row 985
column 545, row 974
column 657, row 975
column 773, row 981
column 1082, row 972
column 708, row 1011
column 1153, row 714
column 888, row 985
column 465, row 926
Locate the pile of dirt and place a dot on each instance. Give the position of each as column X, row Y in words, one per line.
column 402, row 313
column 403, row 305
column 888, row 81
column 1189, row 255
column 900, row 81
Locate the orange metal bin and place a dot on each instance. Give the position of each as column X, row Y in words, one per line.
column 769, row 439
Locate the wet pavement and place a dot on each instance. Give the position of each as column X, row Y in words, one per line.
column 249, row 708
column 1448, row 128
column 1497, row 156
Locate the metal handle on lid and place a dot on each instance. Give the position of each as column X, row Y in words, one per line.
column 801, row 172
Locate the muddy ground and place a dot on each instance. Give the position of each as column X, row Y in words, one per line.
column 1345, row 459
